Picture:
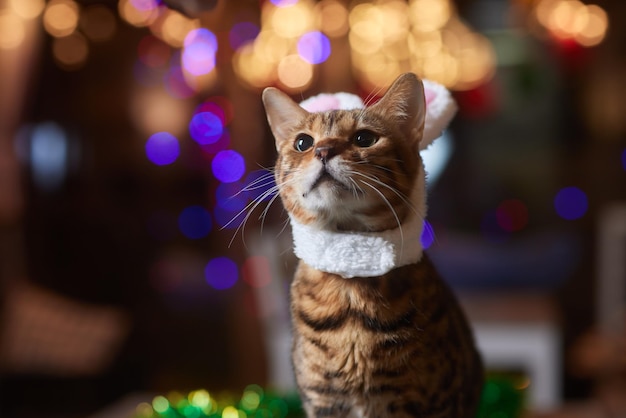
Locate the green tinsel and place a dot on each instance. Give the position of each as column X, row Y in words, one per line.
column 503, row 397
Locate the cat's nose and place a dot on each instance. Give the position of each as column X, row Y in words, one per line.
column 324, row 153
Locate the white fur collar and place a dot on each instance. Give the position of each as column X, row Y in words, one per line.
column 360, row 254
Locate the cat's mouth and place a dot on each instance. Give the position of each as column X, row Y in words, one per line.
column 326, row 178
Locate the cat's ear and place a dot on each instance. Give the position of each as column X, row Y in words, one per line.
column 404, row 102
column 283, row 114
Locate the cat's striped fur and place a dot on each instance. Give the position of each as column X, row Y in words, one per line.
column 397, row 345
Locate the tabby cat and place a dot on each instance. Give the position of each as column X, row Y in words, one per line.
column 396, row 344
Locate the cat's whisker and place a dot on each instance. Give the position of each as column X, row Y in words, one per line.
column 393, row 211
column 402, row 196
column 249, row 209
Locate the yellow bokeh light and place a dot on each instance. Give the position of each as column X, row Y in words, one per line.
column 70, row 52
column 252, row 69
column 175, row 27
column 200, row 398
column 566, row 18
column 27, row 9
column 61, row 17
column 98, row 23
column 270, row 47
column 290, row 21
column 366, row 39
column 135, row 17
column 12, row 30
column 294, row 73
column 333, row 18
column 476, row 62
column 429, row 15
column 425, row 44
column 395, row 20
column 596, row 26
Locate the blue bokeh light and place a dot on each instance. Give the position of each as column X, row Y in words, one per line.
column 242, row 33
column 227, row 219
column 228, row 166
column 260, row 185
column 221, row 273
column 195, row 222
column 571, row 203
column 162, row 148
column 206, row 128
column 230, row 197
column 428, row 235
column 314, row 47
column 198, row 56
column 624, row 159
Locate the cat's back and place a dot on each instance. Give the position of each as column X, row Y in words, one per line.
column 398, row 342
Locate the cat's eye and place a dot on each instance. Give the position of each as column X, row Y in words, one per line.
column 303, row 142
column 365, row 138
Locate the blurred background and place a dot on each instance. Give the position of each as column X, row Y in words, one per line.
column 133, row 143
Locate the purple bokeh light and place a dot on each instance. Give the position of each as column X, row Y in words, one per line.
column 283, row 3
column 144, row 5
column 221, row 273
column 242, row 33
column 176, row 85
column 195, row 222
column 206, row 128
column 624, row 159
column 428, row 235
column 198, row 56
column 227, row 219
column 162, row 148
column 314, row 47
column 571, row 203
column 228, row 166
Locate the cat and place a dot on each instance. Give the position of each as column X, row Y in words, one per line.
column 395, row 344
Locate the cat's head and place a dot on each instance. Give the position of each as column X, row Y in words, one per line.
column 351, row 169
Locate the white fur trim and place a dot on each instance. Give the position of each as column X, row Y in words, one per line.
column 360, row 254
column 439, row 111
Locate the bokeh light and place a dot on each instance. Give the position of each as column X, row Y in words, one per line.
column 571, row 203
column 242, row 33
column 283, row 3
column 428, row 235
column 227, row 219
column 256, row 271
column 144, row 5
column 70, row 52
column 198, row 55
column 223, row 143
column 333, row 18
column 60, row 17
column 206, row 128
column 228, row 166
column 98, row 23
column 512, row 215
column 142, row 15
column 314, row 47
column 27, row 9
column 260, row 185
column 294, row 72
column 624, row 159
column 195, row 222
column 162, row 148
column 231, row 197
column 221, row 273
column 12, row 30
